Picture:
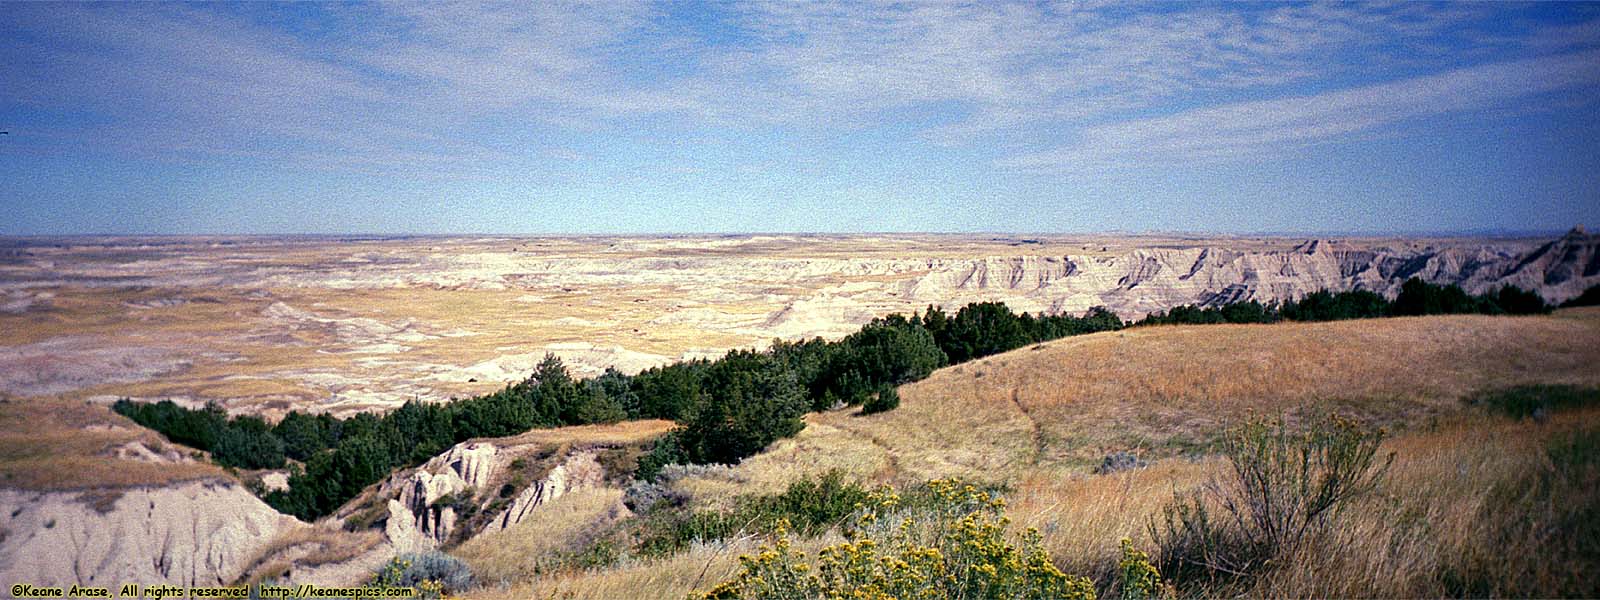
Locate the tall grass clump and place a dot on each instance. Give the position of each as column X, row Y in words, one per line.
column 1281, row 490
column 1550, row 545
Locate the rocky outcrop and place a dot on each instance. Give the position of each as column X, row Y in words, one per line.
column 425, row 506
column 418, row 520
column 1559, row 270
column 194, row 533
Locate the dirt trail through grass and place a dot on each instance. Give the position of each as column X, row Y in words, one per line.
column 1038, row 434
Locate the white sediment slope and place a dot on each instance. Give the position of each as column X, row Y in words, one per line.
column 194, row 533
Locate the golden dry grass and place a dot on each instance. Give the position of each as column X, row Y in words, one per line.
column 50, row 445
column 1036, row 418
column 1442, row 509
column 698, row 568
column 1061, row 405
column 673, row 577
column 561, row 525
column 1441, row 512
column 1082, row 519
column 1468, row 509
column 1166, row 388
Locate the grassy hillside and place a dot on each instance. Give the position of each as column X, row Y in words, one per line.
column 52, row 445
column 1036, row 420
column 1164, row 391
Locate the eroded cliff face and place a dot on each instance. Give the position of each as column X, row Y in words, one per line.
column 1146, row 280
column 482, row 486
column 417, row 519
column 578, row 471
column 195, row 533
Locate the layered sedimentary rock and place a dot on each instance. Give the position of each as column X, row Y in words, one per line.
column 578, row 471
column 1148, row 280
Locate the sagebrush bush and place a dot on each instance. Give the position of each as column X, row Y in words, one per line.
column 1138, row 579
column 954, row 546
column 642, row 496
column 433, row 574
column 1281, row 489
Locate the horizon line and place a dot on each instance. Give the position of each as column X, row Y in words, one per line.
column 1459, row 233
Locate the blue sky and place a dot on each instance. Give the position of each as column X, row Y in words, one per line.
column 633, row 117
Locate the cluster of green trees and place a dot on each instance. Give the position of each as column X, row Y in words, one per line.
column 242, row 442
column 736, row 406
column 1417, row 297
column 985, row 328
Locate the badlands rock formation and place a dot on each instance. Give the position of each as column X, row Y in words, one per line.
column 579, row 471
column 1148, row 280
column 195, row 533
column 215, row 532
column 418, row 522
column 489, row 485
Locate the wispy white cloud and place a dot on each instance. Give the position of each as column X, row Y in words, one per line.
column 1259, row 128
column 1013, row 66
